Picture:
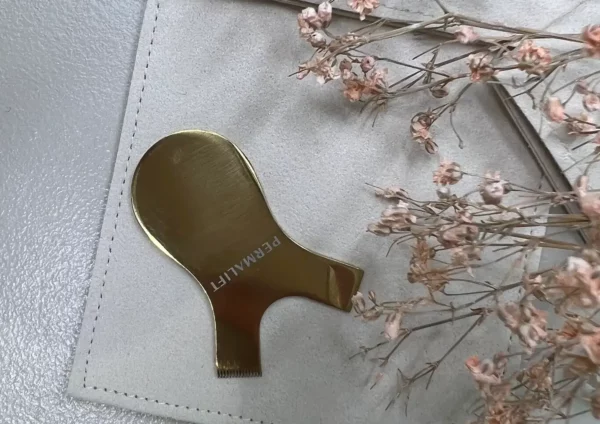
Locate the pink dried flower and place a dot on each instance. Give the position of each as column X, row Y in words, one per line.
column 325, row 14
column 493, row 189
column 538, row 376
column 394, row 219
column 578, row 284
column 377, row 80
column 554, row 109
column 464, row 255
column 353, row 88
column 310, row 16
column 304, row 27
column 358, row 301
column 591, row 39
column 525, row 321
column 591, row 345
column 345, row 65
column 484, row 372
column 447, row 173
column 398, row 217
column 454, row 235
column 321, row 68
column 392, row 326
column 373, row 83
column 591, row 102
column 590, row 205
column 533, row 59
column 391, row 193
column 466, row 35
column 367, row 63
column 480, row 66
column 419, row 129
column 583, row 124
column 363, row 7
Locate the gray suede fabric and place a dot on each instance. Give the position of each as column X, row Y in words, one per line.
column 146, row 341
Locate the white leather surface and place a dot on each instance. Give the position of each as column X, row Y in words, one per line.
column 146, row 341
column 65, row 68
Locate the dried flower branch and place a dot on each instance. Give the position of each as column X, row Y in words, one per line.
column 489, row 59
column 449, row 236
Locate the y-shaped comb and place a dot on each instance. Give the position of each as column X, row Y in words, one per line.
column 198, row 199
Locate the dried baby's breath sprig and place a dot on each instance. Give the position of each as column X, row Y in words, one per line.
column 454, row 239
column 486, row 60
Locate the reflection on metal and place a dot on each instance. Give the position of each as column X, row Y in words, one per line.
column 198, row 199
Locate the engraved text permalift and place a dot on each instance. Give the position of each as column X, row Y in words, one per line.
column 245, row 263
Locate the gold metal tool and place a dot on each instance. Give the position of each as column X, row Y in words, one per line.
column 198, row 199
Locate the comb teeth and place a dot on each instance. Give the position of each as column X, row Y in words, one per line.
column 237, row 373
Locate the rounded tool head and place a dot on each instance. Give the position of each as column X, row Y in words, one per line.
column 198, row 199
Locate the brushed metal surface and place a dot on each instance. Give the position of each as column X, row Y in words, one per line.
column 199, row 200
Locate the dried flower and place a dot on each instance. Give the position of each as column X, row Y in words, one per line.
column 591, row 345
column 358, row 301
column 525, row 321
column 310, row 16
column 464, row 255
column 345, row 65
column 447, row 173
column 373, row 83
column 398, row 217
column 590, row 205
column 533, row 59
column 325, row 13
column 419, row 129
column 321, row 68
column 318, row 40
column 591, row 39
column 578, row 284
column 580, row 366
column 466, row 35
column 583, row 124
column 591, row 102
column 486, row 372
column 455, row 235
column 480, row 66
column 392, row 326
column 394, row 219
column 538, row 376
column 493, row 189
column 363, row 7
column 554, row 109
column 391, row 193
column 367, row 63
column 304, row 27
column 432, row 278
column 568, row 333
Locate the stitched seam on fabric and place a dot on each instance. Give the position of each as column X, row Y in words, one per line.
column 174, row 405
column 126, row 172
column 510, row 339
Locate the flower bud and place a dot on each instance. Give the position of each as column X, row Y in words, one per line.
column 311, row 17
column 318, row 40
column 325, row 13
column 367, row 63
